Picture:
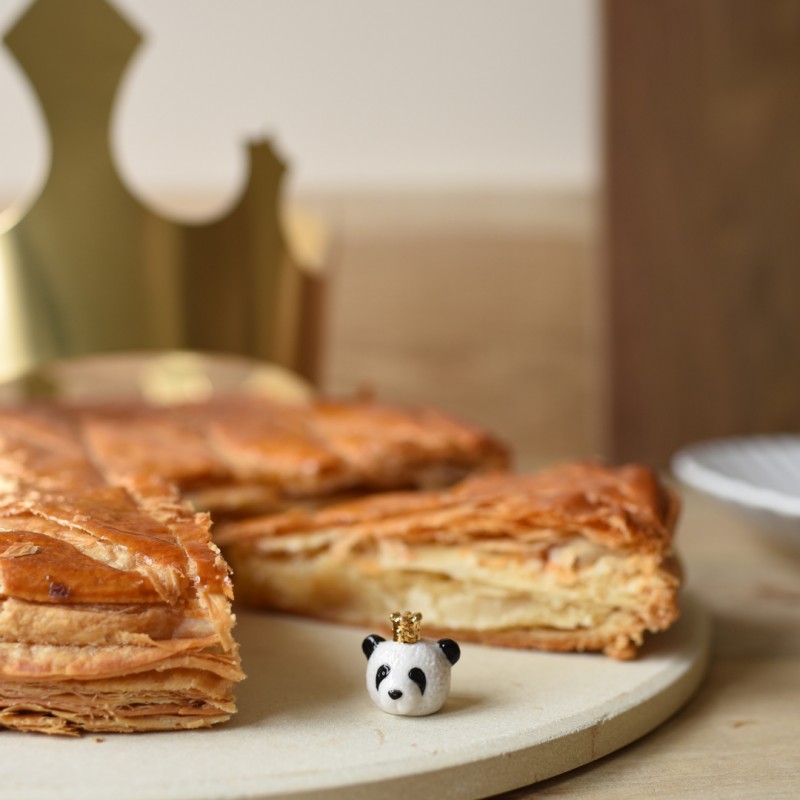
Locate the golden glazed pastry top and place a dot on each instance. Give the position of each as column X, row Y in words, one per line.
column 299, row 450
column 68, row 536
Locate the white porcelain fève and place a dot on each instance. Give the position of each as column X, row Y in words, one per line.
column 410, row 680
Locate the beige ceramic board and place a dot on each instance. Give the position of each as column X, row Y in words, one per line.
column 306, row 726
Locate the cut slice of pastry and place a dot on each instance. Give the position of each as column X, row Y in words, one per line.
column 114, row 604
column 578, row 557
column 237, row 455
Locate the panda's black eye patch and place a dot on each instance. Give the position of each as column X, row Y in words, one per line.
column 418, row 676
column 383, row 671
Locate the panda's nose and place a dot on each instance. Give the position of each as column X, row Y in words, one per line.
column 395, row 694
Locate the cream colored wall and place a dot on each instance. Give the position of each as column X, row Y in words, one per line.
column 356, row 93
column 484, row 304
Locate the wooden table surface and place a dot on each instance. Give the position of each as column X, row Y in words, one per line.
column 739, row 737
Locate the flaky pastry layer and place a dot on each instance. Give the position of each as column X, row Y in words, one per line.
column 114, row 603
column 574, row 558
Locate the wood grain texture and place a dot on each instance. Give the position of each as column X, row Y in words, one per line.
column 701, row 221
column 482, row 305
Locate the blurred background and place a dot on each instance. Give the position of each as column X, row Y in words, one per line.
column 573, row 222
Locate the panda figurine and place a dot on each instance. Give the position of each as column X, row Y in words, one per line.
column 409, row 676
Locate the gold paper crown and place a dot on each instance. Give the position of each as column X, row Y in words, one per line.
column 138, row 280
column 405, row 626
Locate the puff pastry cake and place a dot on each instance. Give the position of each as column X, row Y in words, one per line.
column 114, row 604
column 577, row 557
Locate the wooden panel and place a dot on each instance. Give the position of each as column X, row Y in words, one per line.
column 702, row 220
column 483, row 306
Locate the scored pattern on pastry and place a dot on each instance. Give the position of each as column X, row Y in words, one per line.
column 241, row 455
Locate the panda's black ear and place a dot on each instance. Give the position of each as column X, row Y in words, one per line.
column 451, row 650
column 370, row 643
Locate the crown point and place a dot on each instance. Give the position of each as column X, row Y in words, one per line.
column 405, row 626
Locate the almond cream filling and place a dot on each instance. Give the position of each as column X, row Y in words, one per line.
column 494, row 584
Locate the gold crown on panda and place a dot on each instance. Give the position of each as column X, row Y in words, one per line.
column 405, row 626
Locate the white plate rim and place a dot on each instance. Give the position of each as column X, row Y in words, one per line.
column 688, row 465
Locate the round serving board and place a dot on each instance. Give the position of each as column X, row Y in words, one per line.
column 307, row 728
